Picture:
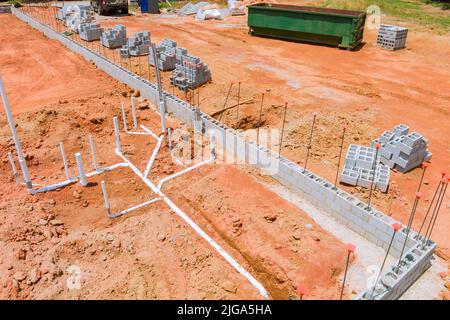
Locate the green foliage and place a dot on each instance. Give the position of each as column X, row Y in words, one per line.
column 412, row 10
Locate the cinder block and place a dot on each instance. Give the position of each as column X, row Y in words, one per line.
column 401, row 130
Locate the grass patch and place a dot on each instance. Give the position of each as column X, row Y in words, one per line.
column 412, row 10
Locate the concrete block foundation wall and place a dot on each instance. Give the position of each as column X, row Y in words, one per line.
column 370, row 223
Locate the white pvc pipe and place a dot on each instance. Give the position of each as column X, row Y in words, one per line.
column 121, row 213
column 12, row 128
column 26, row 175
column 83, row 178
column 117, row 133
column 124, row 118
column 162, row 111
column 13, row 167
column 153, row 157
column 105, row 198
column 150, row 132
column 94, row 158
column 169, row 137
column 63, row 156
column 197, row 229
column 106, row 169
column 177, row 174
column 133, row 112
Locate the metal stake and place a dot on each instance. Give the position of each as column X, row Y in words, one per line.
column 340, row 155
column 396, row 227
column 310, row 140
column 260, row 115
column 374, row 168
column 350, row 249
column 282, row 129
column 226, row 100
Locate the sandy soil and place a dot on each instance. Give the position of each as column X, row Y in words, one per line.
column 51, row 237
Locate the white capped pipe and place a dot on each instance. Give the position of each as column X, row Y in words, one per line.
column 26, row 175
column 212, row 143
column 169, row 137
column 105, row 197
column 13, row 167
column 12, row 128
column 117, row 133
column 83, row 178
column 63, row 156
column 94, row 158
column 162, row 111
column 133, row 112
column 124, row 118
column 153, row 157
column 199, row 231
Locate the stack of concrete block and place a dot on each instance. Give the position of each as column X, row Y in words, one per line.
column 392, row 37
column 90, row 31
column 138, row 45
column 63, row 12
column 402, row 150
column 115, row 37
column 190, row 72
column 166, row 55
column 76, row 15
column 359, row 167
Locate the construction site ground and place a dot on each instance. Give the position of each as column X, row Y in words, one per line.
column 56, row 96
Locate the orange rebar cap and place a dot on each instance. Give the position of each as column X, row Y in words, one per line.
column 301, row 289
column 351, row 247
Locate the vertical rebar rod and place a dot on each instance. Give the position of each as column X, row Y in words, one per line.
column 340, row 156
column 350, row 249
column 260, row 115
column 408, row 228
column 438, row 210
column 424, row 168
column 226, row 100
column 396, row 228
column 430, row 206
column 64, row 159
column 308, row 147
column 282, row 129
column 374, row 169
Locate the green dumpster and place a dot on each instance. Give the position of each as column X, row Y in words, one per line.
column 333, row 27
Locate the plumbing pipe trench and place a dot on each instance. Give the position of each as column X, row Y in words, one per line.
column 153, row 157
column 197, row 229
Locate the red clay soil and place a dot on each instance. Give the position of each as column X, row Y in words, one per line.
column 52, row 73
column 48, row 237
column 281, row 242
column 370, row 90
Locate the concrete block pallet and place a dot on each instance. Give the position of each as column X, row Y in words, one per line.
column 392, row 37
